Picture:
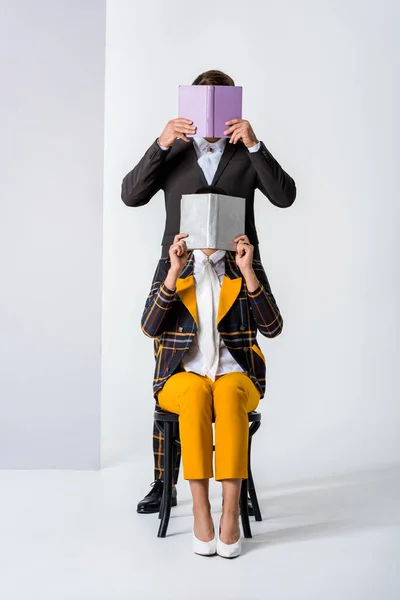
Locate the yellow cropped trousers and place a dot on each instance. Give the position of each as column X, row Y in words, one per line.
column 195, row 399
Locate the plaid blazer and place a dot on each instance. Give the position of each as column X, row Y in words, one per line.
column 170, row 317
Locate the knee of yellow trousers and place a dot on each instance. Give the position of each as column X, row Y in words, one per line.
column 195, row 398
column 195, row 421
column 230, row 410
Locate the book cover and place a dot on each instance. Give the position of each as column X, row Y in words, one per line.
column 212, row 220
column 210, row 107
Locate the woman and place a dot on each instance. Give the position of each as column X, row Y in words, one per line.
column 203, row 310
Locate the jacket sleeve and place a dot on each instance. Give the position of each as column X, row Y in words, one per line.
column 263, row 306
column 145, row 180
column 272, row 180
column 158, row 304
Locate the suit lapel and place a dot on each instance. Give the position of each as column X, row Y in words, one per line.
column 226, row 157
column 202, row 176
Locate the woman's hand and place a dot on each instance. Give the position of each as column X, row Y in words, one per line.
column 244, row 260
column 244, row 254
column 178, row 254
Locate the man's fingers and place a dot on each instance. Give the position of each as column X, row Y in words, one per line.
column 182, row 120
column 184, row 129
column 232, row 121
column 236, row 135
column 232, row 129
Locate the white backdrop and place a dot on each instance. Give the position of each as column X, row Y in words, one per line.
column 320, row 89
column 51, row 156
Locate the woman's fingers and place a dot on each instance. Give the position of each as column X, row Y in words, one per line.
column 243, row 245
column 181, row 248
column 180, row 236
column 179, row 245
column 242, row 238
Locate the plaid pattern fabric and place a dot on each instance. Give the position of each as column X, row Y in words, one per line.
column 158, row 453
column 170, row 317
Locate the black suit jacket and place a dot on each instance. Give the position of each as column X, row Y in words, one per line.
column 177, row 172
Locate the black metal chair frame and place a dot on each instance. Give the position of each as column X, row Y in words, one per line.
column 168, row 424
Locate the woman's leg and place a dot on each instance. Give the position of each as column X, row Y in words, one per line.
column 235, row 395
column 190, row 396
column 230, row 531
column 203, row 526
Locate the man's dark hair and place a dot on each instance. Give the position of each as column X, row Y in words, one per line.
column 213, row 78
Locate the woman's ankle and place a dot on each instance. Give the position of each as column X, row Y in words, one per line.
column 231, row 513
column 202, row 510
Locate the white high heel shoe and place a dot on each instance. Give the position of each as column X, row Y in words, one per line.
column 228, row 550
column 204, row 548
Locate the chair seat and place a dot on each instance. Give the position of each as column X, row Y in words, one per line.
column 169, row 417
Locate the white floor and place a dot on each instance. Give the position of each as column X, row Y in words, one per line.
column 76, row 535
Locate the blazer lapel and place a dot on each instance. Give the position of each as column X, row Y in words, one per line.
column 230, row 288
column 186, row 289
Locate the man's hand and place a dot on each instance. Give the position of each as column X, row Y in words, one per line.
column 178, row 254
column 176, row 129
column 241, row 129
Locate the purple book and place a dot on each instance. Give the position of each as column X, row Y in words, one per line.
column 210, row 107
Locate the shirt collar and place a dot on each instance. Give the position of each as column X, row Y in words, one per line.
column 202, row 144
column 200, row 258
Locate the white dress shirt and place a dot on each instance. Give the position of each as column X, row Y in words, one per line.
column 209, row 160
column 193, row 360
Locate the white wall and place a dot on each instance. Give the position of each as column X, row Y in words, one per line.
column 320, row 89
column 51, row 156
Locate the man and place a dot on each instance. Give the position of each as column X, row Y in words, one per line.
column 181, row 165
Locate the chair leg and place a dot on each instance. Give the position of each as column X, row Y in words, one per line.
column 160, row 427
column 175, row 461
column 252, row 489
column 167, row 491
column 244, row 510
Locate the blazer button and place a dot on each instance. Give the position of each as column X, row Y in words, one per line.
column 180, row 329
column 245, row 349
column 242, row 328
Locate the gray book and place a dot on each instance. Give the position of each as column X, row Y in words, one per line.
column 212, row 220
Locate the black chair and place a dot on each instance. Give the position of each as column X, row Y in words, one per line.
column 168, row 424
